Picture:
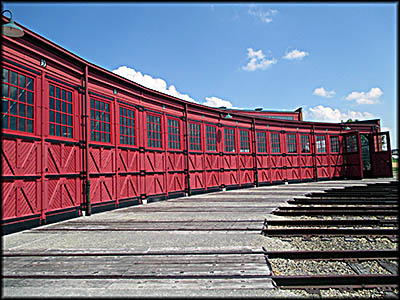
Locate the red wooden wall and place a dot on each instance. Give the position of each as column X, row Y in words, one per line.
column 46, row 169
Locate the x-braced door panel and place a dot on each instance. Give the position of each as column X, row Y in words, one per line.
column 20, row 198
column 20, row 157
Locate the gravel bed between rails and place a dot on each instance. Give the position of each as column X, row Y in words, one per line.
column 282, row 266
column 336, row 293
column 336, row 243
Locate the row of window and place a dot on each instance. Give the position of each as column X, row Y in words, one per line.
column 18, row 114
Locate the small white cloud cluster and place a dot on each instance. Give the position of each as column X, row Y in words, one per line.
column 295, row 54
column 157, row 84
column 217, row 102
column 257, row 60
column 324, row 93
column 371, row 97
column 160, row 85
column 327, row 114
column 263, row 15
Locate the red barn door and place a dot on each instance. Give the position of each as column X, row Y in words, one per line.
column 352, row 155
column 381, row 155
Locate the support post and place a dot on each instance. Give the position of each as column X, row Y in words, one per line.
column 87, row 136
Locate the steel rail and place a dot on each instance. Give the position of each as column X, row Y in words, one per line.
column 330, row 222
column 343, row 201
column 328, row 231
column 330, row 281
column 336, row 212
column 366, row 208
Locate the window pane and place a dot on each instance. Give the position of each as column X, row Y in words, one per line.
column 22, row 81
column 64, row 119
column 4, row 106
column 29, row 125
column 51, row 116
column 58, row 92
column 29, row 97
column 5, row 90
column 69, row 96
column 58, row 130
column 29, row 84
column 58, row 105
column 13, row 123
column 51, row 129
column 64, row 131
column 22, row 96
column 13, row 108
column 14, row 78
column 64, row 95
column 5, row 75
column 13, row 93
column 58, row 118
column 70, row 108
column 21, row 125
column 70, row 132
column 51, row 103
column 51, row 91
column 5, row 121
column 64, row 106
column 70, row 120
column 21, row 108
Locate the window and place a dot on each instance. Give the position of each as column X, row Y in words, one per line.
column 153, row 131
column 351, row 143
column 321, row 148
column 305, row 143
column 174, row 141
column 275, row 143
column 244, row 141
column 261, row 142
column 211, row 138
column 194, row 137
column 291, row 143
column 229, row 140
column 335, row 147
column 100, row 122
column 60, row 111
column 126, row 126
column 17, row 101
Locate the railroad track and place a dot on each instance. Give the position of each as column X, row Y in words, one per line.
column 341, row 210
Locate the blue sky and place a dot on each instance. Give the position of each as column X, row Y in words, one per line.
column 336, row 60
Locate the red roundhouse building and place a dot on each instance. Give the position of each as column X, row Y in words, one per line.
column 77, row 138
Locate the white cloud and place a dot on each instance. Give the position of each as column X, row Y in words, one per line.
column 257, row 60
column 157, row 84
column 327, row 114
column 263, row 15
column 217, row 102
column 371, row 97
column 324, row 93
column 295, row 54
